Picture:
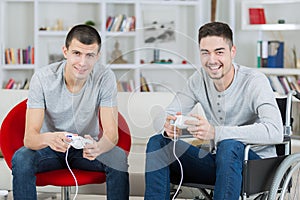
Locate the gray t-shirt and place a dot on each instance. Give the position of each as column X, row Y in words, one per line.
column 246, row 111
column 65, row 111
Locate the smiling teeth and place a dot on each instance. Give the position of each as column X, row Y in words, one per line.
column 214, row 67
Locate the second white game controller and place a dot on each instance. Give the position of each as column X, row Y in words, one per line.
column 180, row 121
column 78, row 142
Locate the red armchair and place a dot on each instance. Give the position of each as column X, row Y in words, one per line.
column 11, row 139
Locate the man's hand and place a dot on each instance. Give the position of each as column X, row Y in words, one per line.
column 201, row 129
column 57, row 141
column 169, row 128
column 91, row 151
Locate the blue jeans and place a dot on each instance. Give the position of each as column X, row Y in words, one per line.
column 26, row 163
column 223, row 169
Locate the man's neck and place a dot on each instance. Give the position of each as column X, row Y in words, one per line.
column 223, row 83
column 74, row 86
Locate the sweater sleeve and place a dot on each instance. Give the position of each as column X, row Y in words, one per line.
column 267, row 128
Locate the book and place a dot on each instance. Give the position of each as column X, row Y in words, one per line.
column 119, row 86
column 275, row 54
column 10, row 84
column 257, row 16
column 292, row 80
column 7, row 57
column 24, row 84
column 276, row 84
column 132, row 24
column 110, row 23
column 258, row 51
column 285, row 84
column 12, row 55
column 32, row 55
column 118, row 23
column 122, row 27
column 270, row 54
column 264, row 53
column 144, row 85
column 131, row 83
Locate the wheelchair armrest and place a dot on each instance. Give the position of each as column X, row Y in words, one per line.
column 286, row 140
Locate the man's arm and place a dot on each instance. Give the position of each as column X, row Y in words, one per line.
column 34, row 140
column 109, row 139
column 109, row 121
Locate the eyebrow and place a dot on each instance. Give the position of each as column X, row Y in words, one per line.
column 92, row 53
column 217, row 49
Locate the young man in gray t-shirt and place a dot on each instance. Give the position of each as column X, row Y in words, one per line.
column 65, row 98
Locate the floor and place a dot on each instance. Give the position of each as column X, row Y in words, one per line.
column 46, row 196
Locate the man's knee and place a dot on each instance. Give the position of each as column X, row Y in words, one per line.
column 230, row 149
column 116, row 159
column 22, row 159
column 156, row 142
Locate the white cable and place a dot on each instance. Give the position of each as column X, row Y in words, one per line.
column 66, row 158
column 181, row 169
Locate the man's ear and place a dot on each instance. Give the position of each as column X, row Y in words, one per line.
column 64, row 51
column 233, row 51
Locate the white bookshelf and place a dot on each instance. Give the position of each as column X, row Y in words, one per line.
column 275, row 10
column 187, row 17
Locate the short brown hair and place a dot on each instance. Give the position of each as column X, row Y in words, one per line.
column 85, row 34
column 216, row 29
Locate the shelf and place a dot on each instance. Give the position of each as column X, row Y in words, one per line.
column 255, row 2
column 272, row 27
column 173, row 2
column 167, row 66
column 52, row 33
column 153, row 66
column 280, row 71
column 18, row 67
column 68, row 1
column 121, row 34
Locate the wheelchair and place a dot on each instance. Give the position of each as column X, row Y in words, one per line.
column 275, row 178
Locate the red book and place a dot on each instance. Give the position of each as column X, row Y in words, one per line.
column 132, row 25
column 32, row 55
column 10, row 84
column 257, row 16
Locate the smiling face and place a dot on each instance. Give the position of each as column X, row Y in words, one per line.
column 81, row 59
column 216, row 58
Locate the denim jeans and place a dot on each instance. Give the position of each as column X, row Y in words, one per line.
column 26, row 163
column 223, row 169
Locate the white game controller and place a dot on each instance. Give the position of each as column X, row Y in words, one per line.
column 180, row 119
column 78, row 142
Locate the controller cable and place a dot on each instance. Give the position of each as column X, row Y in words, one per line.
column 180, row 165
column 76, row 184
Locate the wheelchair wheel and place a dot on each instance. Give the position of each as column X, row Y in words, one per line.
column 286, row 182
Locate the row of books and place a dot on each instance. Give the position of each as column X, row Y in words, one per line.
column 284, row 84
column 125, row 86
column 128, row 86
column 19, row 56
column 120, row 23
column 18, row 85
column 270, row 54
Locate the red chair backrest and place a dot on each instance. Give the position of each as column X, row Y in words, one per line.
column 12, row 131
column 13, row 128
